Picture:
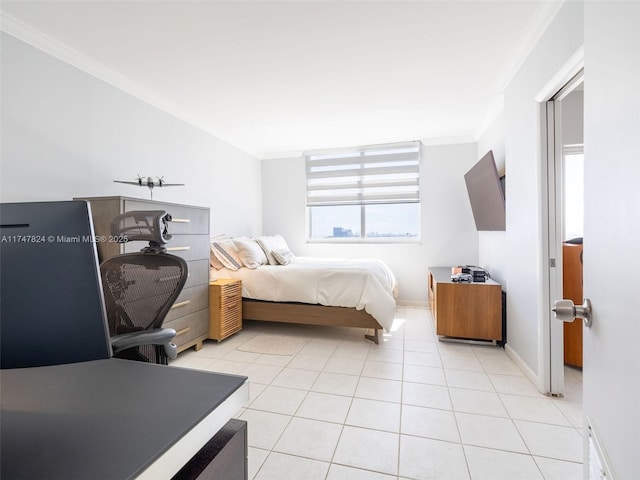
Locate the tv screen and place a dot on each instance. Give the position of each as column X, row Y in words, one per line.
column 486, row 194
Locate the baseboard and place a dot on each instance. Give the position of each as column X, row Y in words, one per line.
column 530, row 374
column 412, row 303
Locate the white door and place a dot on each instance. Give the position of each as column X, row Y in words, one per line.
column 611, row 371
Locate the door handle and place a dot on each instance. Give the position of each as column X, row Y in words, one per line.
column 566, row 311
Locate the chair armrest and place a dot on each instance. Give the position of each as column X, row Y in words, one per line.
column 156, row 336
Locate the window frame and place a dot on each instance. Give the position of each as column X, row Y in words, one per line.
column 363, row 238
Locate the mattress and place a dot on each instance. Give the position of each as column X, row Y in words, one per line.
column 361, row 284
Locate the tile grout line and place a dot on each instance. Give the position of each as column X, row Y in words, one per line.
column 411, row 325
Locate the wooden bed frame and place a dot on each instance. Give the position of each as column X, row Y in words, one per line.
column 292, row 312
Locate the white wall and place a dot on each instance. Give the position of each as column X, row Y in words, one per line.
column 67, row 134
column 491, row 245
column 573, row 118
column 522, row 261
column 448, row 233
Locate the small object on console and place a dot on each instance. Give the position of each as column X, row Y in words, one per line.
column 479, row 274
column 461, row 278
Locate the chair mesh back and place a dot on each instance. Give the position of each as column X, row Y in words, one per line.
column 144, row 353
column 139, row 290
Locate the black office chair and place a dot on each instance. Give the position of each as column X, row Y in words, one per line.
column 140, row 288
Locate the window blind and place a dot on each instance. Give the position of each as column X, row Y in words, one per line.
column 365, row 176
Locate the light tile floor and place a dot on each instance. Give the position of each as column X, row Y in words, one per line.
column 412, row 408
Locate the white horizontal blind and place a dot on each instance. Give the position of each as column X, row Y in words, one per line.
column 370, row 175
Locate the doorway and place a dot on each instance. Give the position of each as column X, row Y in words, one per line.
column 572, row 240
column 565, row 181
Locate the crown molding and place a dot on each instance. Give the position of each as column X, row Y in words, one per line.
column 282, row 155
column 448, row 140
column 70, row 56
column 74, row 58
column 495, row 109
column 10, row 25
column 436, row 141
column 545, row 13
column 568, row 72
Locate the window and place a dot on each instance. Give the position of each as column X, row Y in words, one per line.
column 573, row 191
column 370, row 193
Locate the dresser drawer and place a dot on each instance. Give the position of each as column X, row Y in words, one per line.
column 190, row 328
column 198, row 273
column 190, row 300
column 226, row 322
column 229, row 292
column 185, row 219
column 189, row 247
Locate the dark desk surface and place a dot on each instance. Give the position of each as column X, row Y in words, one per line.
column 104, row 419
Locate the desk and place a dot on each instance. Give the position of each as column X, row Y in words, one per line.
column 110, row 419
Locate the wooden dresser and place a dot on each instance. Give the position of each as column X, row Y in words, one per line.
column 189, row 315
column 471, row 311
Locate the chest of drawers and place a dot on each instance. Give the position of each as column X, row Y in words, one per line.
column 189, row 227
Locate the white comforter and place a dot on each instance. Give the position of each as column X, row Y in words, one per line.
column 363, row 284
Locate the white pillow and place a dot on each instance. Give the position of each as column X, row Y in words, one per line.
column 226, row 253
column 283, row 256
column 250, row 253
column 271, row 243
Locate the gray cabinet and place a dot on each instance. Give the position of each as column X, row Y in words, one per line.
column 189, row 315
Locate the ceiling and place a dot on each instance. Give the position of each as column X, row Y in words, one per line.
column 275, row 77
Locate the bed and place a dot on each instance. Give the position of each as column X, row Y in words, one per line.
column 276, row 286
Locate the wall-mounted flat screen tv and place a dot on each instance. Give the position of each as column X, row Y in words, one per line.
column 486, row 194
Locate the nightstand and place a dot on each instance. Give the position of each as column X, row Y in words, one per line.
column 225, row 308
